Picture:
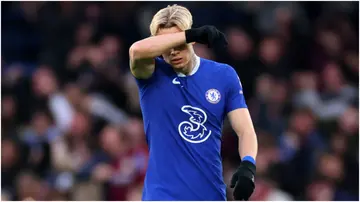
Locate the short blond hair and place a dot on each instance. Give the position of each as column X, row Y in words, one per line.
column 171, row 16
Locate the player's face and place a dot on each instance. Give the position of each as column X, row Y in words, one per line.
column 178, row 57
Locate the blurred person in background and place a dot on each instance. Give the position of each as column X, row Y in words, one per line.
column 65, row 74
column 12, row 163
column 126, row 167
column 8, row 115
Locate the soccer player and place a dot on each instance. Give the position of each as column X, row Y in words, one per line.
column 184, row 100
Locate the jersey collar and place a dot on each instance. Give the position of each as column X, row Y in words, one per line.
column 195, row 69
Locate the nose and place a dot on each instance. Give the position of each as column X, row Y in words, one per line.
column 173, row 51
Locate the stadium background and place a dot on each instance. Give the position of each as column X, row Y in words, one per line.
column 71, row 124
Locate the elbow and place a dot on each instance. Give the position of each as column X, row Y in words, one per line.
column 132, row 50
column 135, row 51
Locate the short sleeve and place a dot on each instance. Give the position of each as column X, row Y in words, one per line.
column 143, row 83
column 234, row 95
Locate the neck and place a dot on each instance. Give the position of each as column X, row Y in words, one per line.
column 188, row 67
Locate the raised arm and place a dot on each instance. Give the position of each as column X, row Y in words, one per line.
column 143, row 52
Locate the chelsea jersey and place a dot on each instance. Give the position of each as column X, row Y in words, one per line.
column 183, row 118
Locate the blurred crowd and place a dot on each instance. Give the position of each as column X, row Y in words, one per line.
column 70, row 118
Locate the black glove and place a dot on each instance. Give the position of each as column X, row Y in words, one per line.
column 243, row 181
column 206, row 35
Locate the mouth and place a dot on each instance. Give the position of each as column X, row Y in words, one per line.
column 176, row 60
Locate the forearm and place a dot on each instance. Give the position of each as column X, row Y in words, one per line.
column 242, row 124
column 248, row 145
column 156, row 45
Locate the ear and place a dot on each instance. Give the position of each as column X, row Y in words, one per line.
column 193, row 43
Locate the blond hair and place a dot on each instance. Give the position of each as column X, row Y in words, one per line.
column 171, row 16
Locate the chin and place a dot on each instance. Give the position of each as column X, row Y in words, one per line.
column 178, row 66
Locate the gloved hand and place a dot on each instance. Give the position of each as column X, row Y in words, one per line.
column 243, row 181
column 206, row 35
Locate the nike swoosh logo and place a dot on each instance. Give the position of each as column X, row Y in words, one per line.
column 175, row 81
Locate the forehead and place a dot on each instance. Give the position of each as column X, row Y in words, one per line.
column 170, row 30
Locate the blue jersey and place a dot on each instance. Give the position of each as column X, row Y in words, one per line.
column 183, row 118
